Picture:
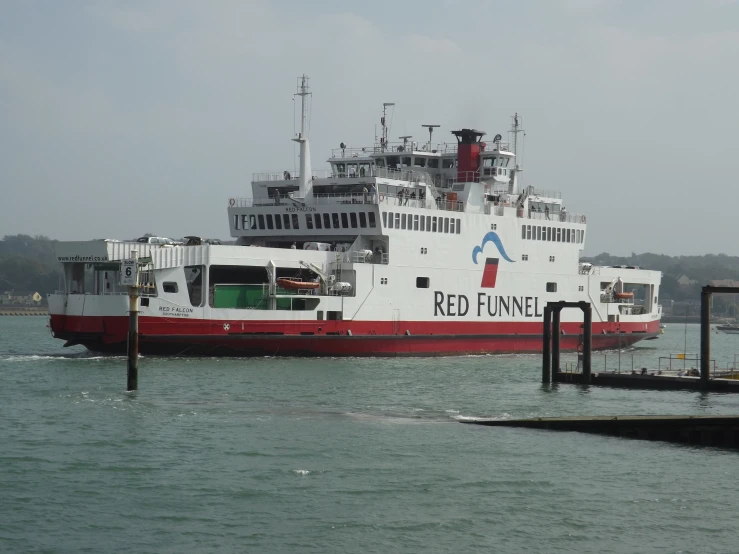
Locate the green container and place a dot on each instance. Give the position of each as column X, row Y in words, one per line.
column 239, row 296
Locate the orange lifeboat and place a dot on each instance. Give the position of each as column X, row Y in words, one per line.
column 623, row 295
column 286, row 283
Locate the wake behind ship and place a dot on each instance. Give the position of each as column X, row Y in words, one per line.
column 400, row 249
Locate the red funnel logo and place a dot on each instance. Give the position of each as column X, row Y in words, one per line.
column 490, row 274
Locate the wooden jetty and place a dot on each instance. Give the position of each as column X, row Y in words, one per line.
column 719, row 431
column 551, row 368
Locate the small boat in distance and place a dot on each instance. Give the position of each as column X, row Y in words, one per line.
column 729, row 328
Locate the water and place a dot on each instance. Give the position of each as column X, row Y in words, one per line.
column 344, row 455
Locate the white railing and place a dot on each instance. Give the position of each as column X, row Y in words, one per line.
column 409, row 175
column 287, row 175
column 545, row 193
column 359, row 257
column 566, row 217
column 395, row 149
column 385, row 199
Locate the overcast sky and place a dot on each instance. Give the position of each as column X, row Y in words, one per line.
column 120, row 118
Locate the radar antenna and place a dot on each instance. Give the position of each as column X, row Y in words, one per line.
column 431, row 132
column 405, row 142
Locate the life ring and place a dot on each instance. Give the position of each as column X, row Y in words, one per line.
column 382, row 197
column 583, row 219
column 231, row 201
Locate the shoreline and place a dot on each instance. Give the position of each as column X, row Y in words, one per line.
column 23, row 311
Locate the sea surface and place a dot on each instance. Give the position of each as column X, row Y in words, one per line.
column 346, row 455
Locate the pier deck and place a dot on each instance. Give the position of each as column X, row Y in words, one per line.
column 718, row 431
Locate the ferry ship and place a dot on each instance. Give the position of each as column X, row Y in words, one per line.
column 399, row 249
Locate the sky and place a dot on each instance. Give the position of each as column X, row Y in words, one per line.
column 122, row 118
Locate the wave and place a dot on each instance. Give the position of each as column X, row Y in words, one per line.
column 40, row 357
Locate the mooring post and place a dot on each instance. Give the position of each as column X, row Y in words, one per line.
column 133, row 332
column 556, row 333
column 705, row 335
column 587, row 341
column 546, row 362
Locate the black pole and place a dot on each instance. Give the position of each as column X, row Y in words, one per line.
column 133, row 340
column 556, row 332
column 705, row 335
column 587, row 341
column 546, row 363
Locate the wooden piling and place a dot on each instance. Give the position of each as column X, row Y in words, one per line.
column 546, row 365
column 556, row 333
column 705, row 336
column 133, row 340
column 587, row 340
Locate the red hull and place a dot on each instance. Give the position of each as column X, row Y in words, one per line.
column 331, row 338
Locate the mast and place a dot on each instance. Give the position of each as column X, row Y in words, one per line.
column 383, row 122
column 305, row 180
column 515, row 129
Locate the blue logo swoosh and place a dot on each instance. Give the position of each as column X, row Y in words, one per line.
column 495, row 239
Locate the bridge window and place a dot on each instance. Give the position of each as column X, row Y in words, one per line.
column 459, row 226
column 170, row 287
column 326, row 221
column 390, row 220
column 405, row 161
column 384, row 219
column 448, row 163
column 362, row 220
column 344, row 220
column 423, row 223
column 538, row 232
column 270, row 225
column 446, row 224
column 549, row 234
column 309, row 221
column 397, row 221
column 422, row 282
column 559, row 235
column 278, row 222
column 194, row 279
column 433, row 224
column 260, row 218
column 402, row 221
column 551, row 287
column 317, row 221
column 353, row 220
column 335, row 220
column 523, row 231
column 296, row 224
column 451, row 226
column 380, row 162
column 237, row 218
column 415, row 223
column 433, row 163
column 418, row 161
column 528, row 232
column 286, row 220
